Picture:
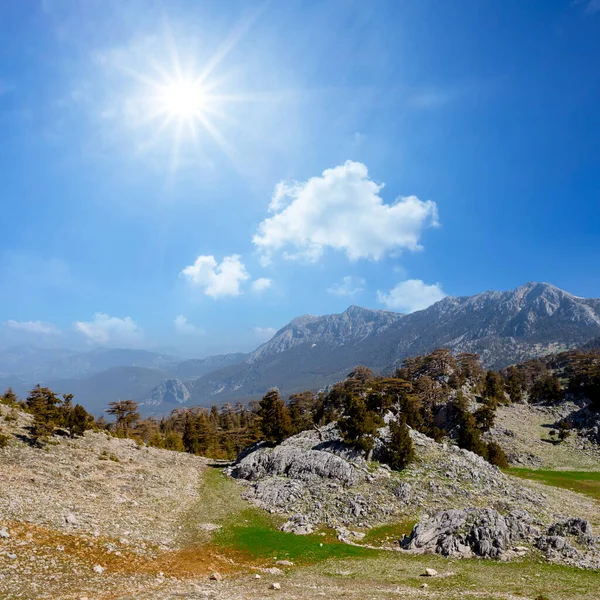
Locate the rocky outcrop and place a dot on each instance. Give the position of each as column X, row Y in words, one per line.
column 169, row 391
column 305, row 457
column 317, row 479
column 486, row 533
column 480, row 532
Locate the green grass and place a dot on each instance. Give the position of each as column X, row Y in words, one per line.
column 584, row 482
column 258, row 539
column 253, row 532
column 387, row 533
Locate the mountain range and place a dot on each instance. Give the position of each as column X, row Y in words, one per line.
column 314, row 351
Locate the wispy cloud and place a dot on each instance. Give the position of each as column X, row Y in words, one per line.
column 106, row 330
column 348, row 286
column 261, row 284
column 264, row 334
column 38, row 327
column 184, row 327
column 589, row 6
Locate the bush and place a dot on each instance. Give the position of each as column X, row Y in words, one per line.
column 496, row 456
column 3, row 440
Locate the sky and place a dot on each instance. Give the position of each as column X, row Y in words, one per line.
column 191, row 175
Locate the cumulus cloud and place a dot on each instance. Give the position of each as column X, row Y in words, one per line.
column 110, row 330
column 349, row 286
column 217, row 280
column 184, row 327
column 38, row 327
column 341, row 210
column 411, row 295
column 259, row 285
column 264, row 334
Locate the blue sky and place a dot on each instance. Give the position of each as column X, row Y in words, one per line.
column 194, row 174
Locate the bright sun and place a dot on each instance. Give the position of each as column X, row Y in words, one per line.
column 182, row 99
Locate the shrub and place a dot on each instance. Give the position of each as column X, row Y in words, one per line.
column 3, row 440
column 496, row 456
column 400, row 451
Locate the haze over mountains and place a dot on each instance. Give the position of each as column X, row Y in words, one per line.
column 314, row 351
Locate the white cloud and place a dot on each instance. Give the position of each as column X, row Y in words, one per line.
column 264, row 334
column 218, row 280
column 182, row 326
column 411, row 295
column 259, row 285
column 341, row 210
column 110, row 330
column 349, row 286
column 33, row 327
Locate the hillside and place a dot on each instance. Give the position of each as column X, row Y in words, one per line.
column 101, row 517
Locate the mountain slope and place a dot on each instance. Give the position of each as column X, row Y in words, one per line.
column 504, row 327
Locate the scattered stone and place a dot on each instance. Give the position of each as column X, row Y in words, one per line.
column 285, row 563
column 4, row 533
column 430, row 572
column 424, row 586
column 98, row 569
column 274, row 571
column 216, row 576
column 257, row 576
column 71, row 519
column 299, row 524
column 11, row 555
column 275, row 586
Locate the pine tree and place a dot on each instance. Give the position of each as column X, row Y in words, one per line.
column 126, row 413
column 400, row 450
column 469, row 437
column 78, row 420
column 47, row 415
column 275, row 421
column 359, row 425
column 493, row 387
column 485, row 415
column 9, row 398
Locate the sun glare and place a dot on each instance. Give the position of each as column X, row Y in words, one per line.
column 182, row 99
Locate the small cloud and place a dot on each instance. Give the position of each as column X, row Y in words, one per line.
column 110, row 330
column 411, row 295
column 341, row 210
column 349, row 286
column 34, row 327
column 182, row 326
column 262, row 284
column 217, row 280
column 264, row 334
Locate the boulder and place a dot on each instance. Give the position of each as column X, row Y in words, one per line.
column 296, row 462
column 477, row 531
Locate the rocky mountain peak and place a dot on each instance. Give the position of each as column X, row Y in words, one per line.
column 352, row 325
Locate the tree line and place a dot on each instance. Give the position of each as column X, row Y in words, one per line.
column 438, row 394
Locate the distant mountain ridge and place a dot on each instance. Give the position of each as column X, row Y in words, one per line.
column 314, row 351
column 504, row 327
